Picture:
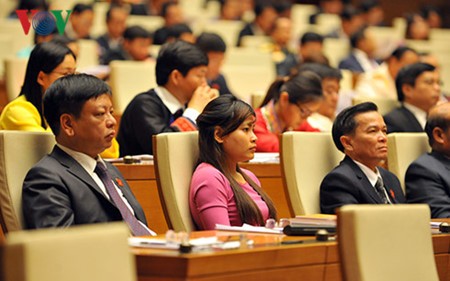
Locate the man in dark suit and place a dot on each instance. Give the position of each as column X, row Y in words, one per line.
column 363, row 50
column 64, row 188
column 359, row 131
column 427, row 179
column 418, row 89
column 174, row 105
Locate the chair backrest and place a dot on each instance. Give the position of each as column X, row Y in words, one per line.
column 403, row 149
column 175, row 156
column 384, row 105
column 19, row 151
column 129, row 78
column 15, row 69
column 386, row 243
column 6, row 50
column 228, row 30
column 306, row 158
column 91, row 252
column 88, row 54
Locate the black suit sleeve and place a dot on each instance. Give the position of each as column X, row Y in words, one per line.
column 337, row 190
column 425, row 185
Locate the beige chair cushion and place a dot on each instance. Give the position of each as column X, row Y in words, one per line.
column 19, row 151
column 129, row 78
column 403, row 149
column 175, row 157
column 386, row 243
column 384, row 105
column 91, row 252
column 306, row 158
column 15, row 69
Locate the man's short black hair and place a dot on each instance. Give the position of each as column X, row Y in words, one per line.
column 165, row 7
column 68, row 94
column 81, row 7
column 112, row 8
column 178, row 55
column 357, row 36
column 261, row 5
column 400, row 51
column 311, row 37
column 175, row 31
column 345, row 123
column 408, row 75
column 136, row 31
column 367, row 5
column 349, row 12
column 211, row 42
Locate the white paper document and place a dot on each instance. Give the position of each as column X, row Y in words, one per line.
column 249, row 228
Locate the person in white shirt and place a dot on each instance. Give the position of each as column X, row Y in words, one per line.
column 418, row 89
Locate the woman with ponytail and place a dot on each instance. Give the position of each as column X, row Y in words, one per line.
column 221, row 192
column 288, row 103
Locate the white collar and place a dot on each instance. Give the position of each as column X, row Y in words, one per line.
column 86, row 161
column 371, row 175
column 168, row 99
column 420, row 115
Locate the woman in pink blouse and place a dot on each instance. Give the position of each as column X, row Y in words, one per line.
column 221, row 192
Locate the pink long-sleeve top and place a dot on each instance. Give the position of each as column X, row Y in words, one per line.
column 211, row 198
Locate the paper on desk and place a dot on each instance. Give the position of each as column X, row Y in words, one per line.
column 162, row 243
column 249, row 228
column 141, row 157
column 266, row 157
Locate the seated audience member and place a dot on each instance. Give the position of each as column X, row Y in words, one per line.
column 116, row 18
column 311, row 46
column 48, row 62
column 283, row 8
column 418, row 89
column 135, row 46
column 231, row 10
column 80, row 22
column 417, row 28
column 359, row 132
column 73, row 185
column 327, row 7
column 285, row 60
column 180, row 31
column 174, row 105
column 173, row 14
column 361, row 58
column 324, row 117
column 351, row 21
column 287, row 104
column 72, row 44
column 381, row 81
column 432, row 15
column 265, row 16
column 373, row 13
column 427, row 179
column 221, row 192
column 214, row 47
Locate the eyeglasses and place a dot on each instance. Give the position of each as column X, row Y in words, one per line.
column 432, row 82
column 304, row 111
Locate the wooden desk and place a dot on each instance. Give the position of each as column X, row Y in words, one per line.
column 310, row 261
column 142, row 180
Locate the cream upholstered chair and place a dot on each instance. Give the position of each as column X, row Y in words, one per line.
column 175, row 157
column 384, row 105
column 403, row 149
column 19, row 151
column 15, row 69
column 129, row 78
column 306, row 158
column 90, row 252
column 386, row 243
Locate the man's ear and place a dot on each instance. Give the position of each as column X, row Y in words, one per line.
column 346, row 142
column 218, row 133
column 66, row 122
column 439, row 135
column 407, row 90
column 175, row 76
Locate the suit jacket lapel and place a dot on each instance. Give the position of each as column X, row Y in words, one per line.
column 364, row 181
column 388, row 184
column 76, row 169
column 412, row 120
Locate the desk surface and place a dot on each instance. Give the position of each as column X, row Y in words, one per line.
column 268, row 260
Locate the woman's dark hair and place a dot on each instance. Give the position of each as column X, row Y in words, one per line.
column 228, row 113
column 302, row 87
column 45, row 57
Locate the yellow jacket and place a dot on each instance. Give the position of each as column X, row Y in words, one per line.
column 22, row 115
